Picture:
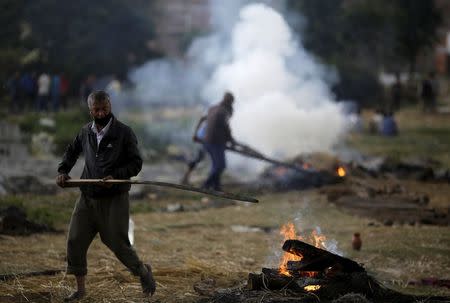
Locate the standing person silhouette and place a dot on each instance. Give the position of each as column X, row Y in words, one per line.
column 217, row 137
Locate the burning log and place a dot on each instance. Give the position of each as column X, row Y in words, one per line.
column 319, row 275
column 316, row 268
column 316, row 259
column 309, row 273
column 345, row 278
column 297, row 268
column 323, row 286
column 269, row 279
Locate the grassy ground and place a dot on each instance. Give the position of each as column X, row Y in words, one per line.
column 420, row 135
column 186, row 247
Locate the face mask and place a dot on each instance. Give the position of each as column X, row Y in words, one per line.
column 103, row 121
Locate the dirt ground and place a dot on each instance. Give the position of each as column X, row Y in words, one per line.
column 225, row 244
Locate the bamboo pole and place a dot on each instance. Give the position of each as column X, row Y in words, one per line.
column 231, row 196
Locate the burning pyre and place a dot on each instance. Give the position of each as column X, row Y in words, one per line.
column 288, row 232
column 311, row 270
column 300, row 175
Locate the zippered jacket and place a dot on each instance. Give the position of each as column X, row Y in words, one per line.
column 117, row 155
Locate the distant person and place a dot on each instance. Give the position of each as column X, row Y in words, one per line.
column 13, row 88
column 356, row 122
column 43, row 92
column 429, row 92
column 35, row 88
column 389, row 125
column 55, row 92
column 199, row 136
column 28, row 86
column 86, row 88
column 375, row 122
column 64, row 91
column 396, row 93
column 217, row 137
column 110, row 151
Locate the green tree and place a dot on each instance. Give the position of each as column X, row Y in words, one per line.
column 10, row 32
column 343, row 37
column 82, row 37
column 363, row 37
column 416, row 23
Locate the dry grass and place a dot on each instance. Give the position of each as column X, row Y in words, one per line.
column 189, row 246
column 420, row 135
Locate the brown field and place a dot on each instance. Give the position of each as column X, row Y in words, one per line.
column 222, row 243
column 186, row 247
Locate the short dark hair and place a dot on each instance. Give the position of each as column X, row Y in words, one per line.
column 228, row 97
column 98, row 96
column 227, row 102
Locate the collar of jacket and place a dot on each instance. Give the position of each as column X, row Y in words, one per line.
column 112, row 131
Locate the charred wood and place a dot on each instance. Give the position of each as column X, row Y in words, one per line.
column 339, row 287
column 316, row 259
column 270, row 279
column 305, row 268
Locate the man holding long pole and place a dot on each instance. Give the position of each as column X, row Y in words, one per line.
column 110, row 151
column 217, row 137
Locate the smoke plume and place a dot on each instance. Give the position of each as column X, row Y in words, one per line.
column 283, row 104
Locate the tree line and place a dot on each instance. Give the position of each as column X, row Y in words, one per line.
column 362, row 37
column 75, row 37
column 358, row 37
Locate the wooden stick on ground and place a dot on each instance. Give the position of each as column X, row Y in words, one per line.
column 48, row 272
column 79, row 182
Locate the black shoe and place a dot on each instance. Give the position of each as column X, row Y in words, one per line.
column 147, row 282
column 78, row 295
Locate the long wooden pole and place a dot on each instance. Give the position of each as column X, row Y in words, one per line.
column 252, row 153
column 79, row 182
column 248, row 151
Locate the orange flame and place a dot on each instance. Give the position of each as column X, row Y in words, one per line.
column 311, row 287
column 341, row 171
column 280, row 171
column 288, row 232
column 318, row 240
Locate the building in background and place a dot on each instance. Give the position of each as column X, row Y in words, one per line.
column 442, row 48
column 177, row 22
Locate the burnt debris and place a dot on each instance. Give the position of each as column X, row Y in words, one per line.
column 320, row 276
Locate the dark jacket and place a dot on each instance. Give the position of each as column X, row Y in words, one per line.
column 117, row 156
column 217, row 128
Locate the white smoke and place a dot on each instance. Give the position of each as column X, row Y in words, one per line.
column 283, row 105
